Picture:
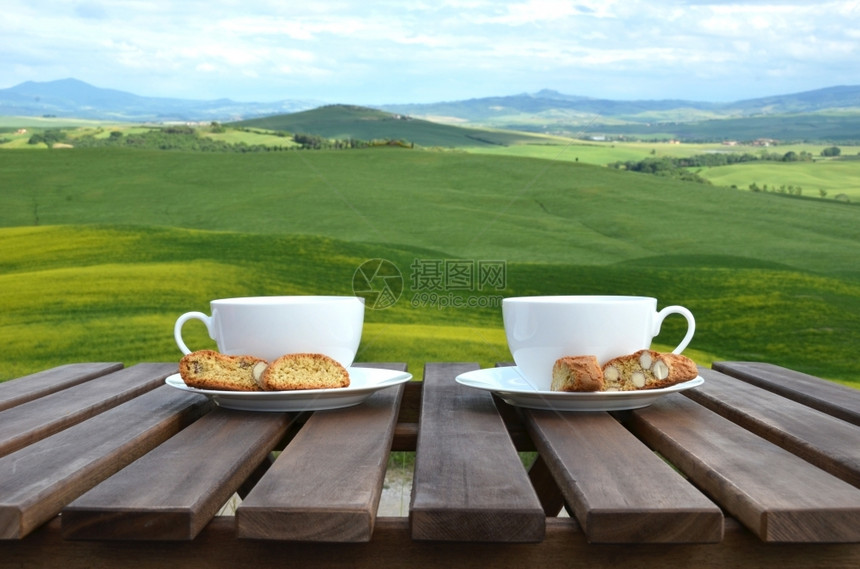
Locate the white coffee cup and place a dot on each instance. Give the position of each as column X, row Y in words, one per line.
column 542, row 329
column 270, row 326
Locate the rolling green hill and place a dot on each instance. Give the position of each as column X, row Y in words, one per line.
column 81, row 293
column 102, row 249
column 344, row 122
column 517, row 209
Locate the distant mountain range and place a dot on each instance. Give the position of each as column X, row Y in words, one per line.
column 71, row 98
column 843, row 97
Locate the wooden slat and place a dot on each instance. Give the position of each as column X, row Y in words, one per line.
column 327, row 483
column 197, row 471
column 17, row 391
column 40, row 418
column 37, row 481
column 469, row 482
column 832, row 398
column 392, row 543
column 564, row 547
column 777, row 495
column 620, row 492
column 829, row 443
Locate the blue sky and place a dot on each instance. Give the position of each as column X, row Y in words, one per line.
column 378, row 52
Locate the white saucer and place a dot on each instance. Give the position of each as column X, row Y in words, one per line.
column 510, row 385
column 363, row 382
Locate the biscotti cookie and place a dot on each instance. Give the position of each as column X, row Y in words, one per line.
column 577, row 373
column 208, row 369
column 647, row 369
column 304, row 371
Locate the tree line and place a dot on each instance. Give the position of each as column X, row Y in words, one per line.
column 681, row 167
column 182, row 137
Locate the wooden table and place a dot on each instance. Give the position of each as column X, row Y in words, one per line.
column 105, row 466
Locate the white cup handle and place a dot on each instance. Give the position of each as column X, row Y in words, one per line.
column 691, row 324
column 177, row 328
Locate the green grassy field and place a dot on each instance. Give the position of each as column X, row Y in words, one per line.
column 835, row 177
column 602, row 153
column 102, row 249
column 108, row 293
column 450, row 204
column 827, row 178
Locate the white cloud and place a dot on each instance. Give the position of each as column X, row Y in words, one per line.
column 372, row 50
column 534, row 11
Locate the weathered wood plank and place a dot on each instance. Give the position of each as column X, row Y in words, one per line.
column 563, row 547
column 23, row 389
column 29, row 422
column 832, row 398
column 619, row 491
column 469, row 482
column 777, row 495
column 827, row 442
column 326, row 484
column 197, row 471
column 38, row 480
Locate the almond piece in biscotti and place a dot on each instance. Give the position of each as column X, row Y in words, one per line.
column 647, row 369
column 208, row 369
